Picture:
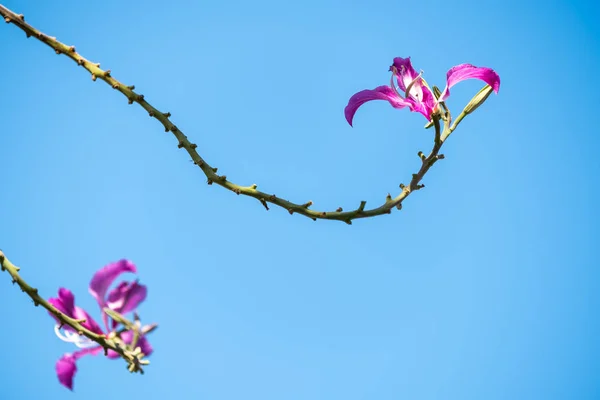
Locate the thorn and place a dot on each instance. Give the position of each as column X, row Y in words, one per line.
column 40, row 35
column 105, row 351
column 362, row 206
column 323, row 214
column 237, row 191
column 313, row 218
column 97, row 65
column 115, row 85
column 57, row 51
column 199, row 163
column 254, row 186
column 174, row 129
column 402, row 186
column 72, row 48
column 27, row 35
column 388, row 197
column 107, row 73
column 14, row 281
column 166, row 128
column 348, row 221
column 223, row 178
column 209, row 181
column 399, row 206
column 151, row 114
column 421, row 156
column 7, row 20
column 140, row 97
column 179, row 145
column 421, row 186
column 264, row 203
column 131, row 87
column 290, row 211
column 94, row 79
column 130, row 101
column 215, row 170
column 193, row 146
column 272, row 197
column 80, row 61
column 389, row 211
column 441, row 156
column 339, row 209
column 22, row 17
column 307, row 204
column 167, row 114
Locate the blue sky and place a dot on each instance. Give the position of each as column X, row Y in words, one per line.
column 485, row 286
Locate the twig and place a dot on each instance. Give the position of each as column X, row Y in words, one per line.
column 211, row 172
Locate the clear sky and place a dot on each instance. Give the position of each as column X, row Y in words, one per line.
column 485, row 286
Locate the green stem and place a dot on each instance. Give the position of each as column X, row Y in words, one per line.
column 106, row 343
column 183, row 142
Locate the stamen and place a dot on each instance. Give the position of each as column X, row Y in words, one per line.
column 410, row 85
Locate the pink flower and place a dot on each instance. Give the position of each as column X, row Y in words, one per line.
column 412, row 90
column 122, row 299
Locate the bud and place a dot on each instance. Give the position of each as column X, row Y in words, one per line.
column 478, row 99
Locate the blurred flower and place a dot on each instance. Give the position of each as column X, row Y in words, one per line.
column 123, row 299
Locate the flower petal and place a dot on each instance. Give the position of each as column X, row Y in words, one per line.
column 66, row 367
column 65, row 303
column 426, row 105
column 65, row 370
column 126, row 297
column 467, row 71
column 105, row 276
column 404, row 72
column 379, row 93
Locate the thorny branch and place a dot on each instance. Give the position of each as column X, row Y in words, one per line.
column 211, row 172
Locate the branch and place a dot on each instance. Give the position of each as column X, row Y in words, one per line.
column 210, row 172
column 133, row 359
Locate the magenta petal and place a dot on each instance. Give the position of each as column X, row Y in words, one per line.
column 126, row 297
column 379, row 93
column 65, row 303
column 65, row 370
column 467, row 71
column 105, row 276
column 405, row 73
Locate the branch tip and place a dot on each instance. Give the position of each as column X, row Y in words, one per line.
column 264, row 203
column 362, row 206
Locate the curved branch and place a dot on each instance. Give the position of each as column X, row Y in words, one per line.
column 134, row 360
column 210, row 172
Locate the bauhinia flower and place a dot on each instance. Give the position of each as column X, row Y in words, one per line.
column 123, row 299
column 413, row 92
